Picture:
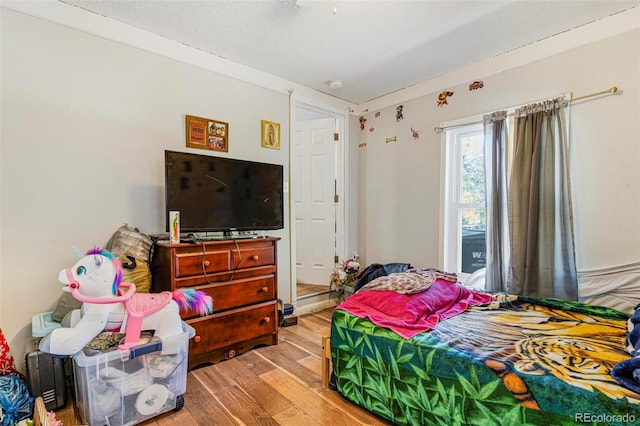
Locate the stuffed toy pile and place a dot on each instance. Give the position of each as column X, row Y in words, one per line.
column 16, row 403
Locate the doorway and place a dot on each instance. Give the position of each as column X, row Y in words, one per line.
column 317, row 170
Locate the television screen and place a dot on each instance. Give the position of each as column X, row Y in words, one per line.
column 223, row 194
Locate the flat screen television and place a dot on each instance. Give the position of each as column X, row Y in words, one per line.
column 223, row 194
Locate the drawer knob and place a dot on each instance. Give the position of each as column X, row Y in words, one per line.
column 267, row 319
column 197, row 339
column 207, row 263
column 255, row 257
column 265, row 289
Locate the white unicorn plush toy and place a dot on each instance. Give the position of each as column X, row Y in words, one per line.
column 112, row 305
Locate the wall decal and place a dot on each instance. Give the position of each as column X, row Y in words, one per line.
column 399, row 116
column 442, row 98
column 391, row 139
column 377, row 114
column 371, row 129
column 415, row 133
column 362, row 121
column 476, row 85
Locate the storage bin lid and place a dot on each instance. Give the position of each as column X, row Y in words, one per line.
column 84, row 360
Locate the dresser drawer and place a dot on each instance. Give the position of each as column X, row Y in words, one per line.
column 232, row 327
column 191, row 263
column 241, row 276
column 237, row 293
column 253, row 256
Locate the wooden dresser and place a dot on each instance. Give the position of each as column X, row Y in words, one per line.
column 241, row 277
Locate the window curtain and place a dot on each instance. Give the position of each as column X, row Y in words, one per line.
column 540, row 242
column 497, row 231
column 540, row 215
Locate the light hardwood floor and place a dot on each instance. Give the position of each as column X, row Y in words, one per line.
column 272, row 385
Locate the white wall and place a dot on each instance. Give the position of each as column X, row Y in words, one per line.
column 85, row 122
column 401, row 181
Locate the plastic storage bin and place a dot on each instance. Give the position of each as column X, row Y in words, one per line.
column 126, row 387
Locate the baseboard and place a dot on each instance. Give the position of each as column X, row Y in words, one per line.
column 314, row 307
column 314, row 295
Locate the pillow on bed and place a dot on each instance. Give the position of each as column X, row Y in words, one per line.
column 410, row 314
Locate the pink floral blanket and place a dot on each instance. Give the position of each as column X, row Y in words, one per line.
column 411, row 314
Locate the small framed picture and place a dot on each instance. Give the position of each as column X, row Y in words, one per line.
column 206, row 133
column 270, row 134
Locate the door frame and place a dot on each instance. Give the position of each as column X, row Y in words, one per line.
column 341, row 119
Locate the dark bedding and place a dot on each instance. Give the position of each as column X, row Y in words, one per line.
column 627, row 372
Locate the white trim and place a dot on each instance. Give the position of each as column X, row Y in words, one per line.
column 465, row 121
column 341, row 117
column 303, row 101
column 342, row 159
column 293, row 294
column 451, row 204
column 443, row 199
column 303, row 309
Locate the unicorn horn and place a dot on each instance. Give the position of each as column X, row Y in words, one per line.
column 77, row 252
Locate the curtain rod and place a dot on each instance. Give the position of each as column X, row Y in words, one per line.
column 609, row 91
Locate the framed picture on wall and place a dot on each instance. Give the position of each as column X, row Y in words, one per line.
column 270, row 134
column 206, row 133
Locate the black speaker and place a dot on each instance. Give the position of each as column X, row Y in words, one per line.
column 46, row 378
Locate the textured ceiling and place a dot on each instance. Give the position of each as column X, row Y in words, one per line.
column 373, row 47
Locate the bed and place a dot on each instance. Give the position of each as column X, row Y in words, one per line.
column 467, row 357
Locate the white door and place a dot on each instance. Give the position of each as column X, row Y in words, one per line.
column 313, row 187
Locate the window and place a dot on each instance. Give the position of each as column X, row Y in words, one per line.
column 464, row 205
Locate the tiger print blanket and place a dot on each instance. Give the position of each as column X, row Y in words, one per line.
column 525, row 361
